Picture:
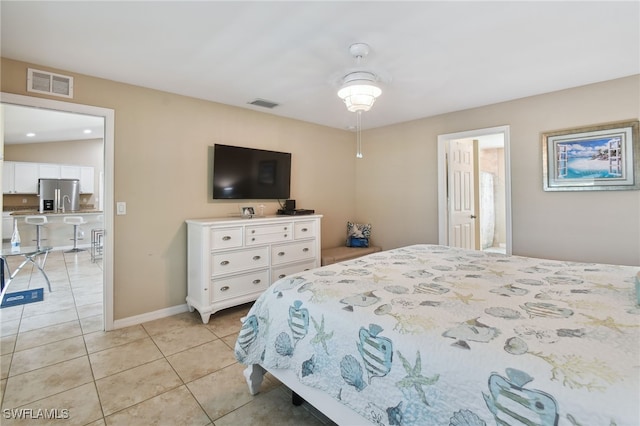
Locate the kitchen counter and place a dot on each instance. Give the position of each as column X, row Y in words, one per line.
column 53, row 213
column 55, row 233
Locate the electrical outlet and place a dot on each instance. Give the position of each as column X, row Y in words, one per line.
column 121, row 208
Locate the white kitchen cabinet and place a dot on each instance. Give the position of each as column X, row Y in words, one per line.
column 48, row 171
column 87, row 176
column 233, row 261
column 8, row 181
column 69, row 172
column 83, row 173
column 25, row 178
column 22, row 177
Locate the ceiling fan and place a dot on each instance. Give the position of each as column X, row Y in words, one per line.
column 359, row 89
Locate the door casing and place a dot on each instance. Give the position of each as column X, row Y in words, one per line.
column 108, row 197
column 443, row 211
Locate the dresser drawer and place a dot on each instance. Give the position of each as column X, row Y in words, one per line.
column 238, row 285
column 305, row 229
column 236, row 261
column 285, row 271
column 285, row 253
column 264, row 234
column 226, row 238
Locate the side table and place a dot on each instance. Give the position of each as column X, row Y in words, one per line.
column 30, row 255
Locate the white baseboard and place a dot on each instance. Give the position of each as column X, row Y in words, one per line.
column 150, row 316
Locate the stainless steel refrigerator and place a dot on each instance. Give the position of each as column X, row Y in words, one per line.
column 59, row 195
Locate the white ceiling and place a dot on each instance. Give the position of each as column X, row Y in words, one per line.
column 432, row 57
column 48, row 126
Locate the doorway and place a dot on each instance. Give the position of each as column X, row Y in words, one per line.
column 474, row 196
column 108, row 116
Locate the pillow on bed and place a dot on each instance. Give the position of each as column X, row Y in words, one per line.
column 358, row 234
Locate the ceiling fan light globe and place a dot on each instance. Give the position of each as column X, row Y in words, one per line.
column 359, row 97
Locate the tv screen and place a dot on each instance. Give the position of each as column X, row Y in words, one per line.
column 247, row 173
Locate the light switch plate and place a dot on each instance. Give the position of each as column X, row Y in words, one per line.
column 121, row 208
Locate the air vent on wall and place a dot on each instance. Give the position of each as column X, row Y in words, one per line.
column 263, row 103
column 49, row 83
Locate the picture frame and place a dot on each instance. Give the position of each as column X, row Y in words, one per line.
column 247, row 211
column 604, row 157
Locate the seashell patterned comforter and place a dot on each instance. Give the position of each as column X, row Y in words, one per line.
column 432, row 335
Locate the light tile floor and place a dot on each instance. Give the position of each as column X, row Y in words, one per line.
column 56, row 362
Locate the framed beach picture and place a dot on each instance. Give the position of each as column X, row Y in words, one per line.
column 596, row 158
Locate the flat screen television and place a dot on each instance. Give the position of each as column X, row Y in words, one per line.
column 248, row 173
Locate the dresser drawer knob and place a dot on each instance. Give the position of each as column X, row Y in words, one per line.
column 281, row 276
column 256, row 281
column 253, row 231
column 253, row 239
column 225, row 288
column 256, row 257
column 304, row 229
column 226, row 238
column 281, row 253
column 306, row 249
column 224, row 263
column 285, row 235
column 285, row 228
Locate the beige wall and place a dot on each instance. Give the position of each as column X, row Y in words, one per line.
column 397, row 190
column 161, row 146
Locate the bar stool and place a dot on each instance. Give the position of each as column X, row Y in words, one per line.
column 97, row 235
column 75, row 221
column 39, row 221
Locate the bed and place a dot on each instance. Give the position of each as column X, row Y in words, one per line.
column 432, row 335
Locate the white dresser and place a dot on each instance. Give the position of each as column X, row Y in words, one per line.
column 232, row 261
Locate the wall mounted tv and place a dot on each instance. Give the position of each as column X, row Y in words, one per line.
column 247, row 173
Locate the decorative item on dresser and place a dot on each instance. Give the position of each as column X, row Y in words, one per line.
column 233, row 261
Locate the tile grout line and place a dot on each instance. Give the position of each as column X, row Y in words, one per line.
column 82, row 333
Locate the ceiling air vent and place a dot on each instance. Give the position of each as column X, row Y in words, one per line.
column 49, row 83
column 263, row 103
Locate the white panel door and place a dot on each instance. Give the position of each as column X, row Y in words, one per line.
column 462, row 223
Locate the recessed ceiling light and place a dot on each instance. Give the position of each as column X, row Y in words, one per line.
column 86, row 131
column 30, row 135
